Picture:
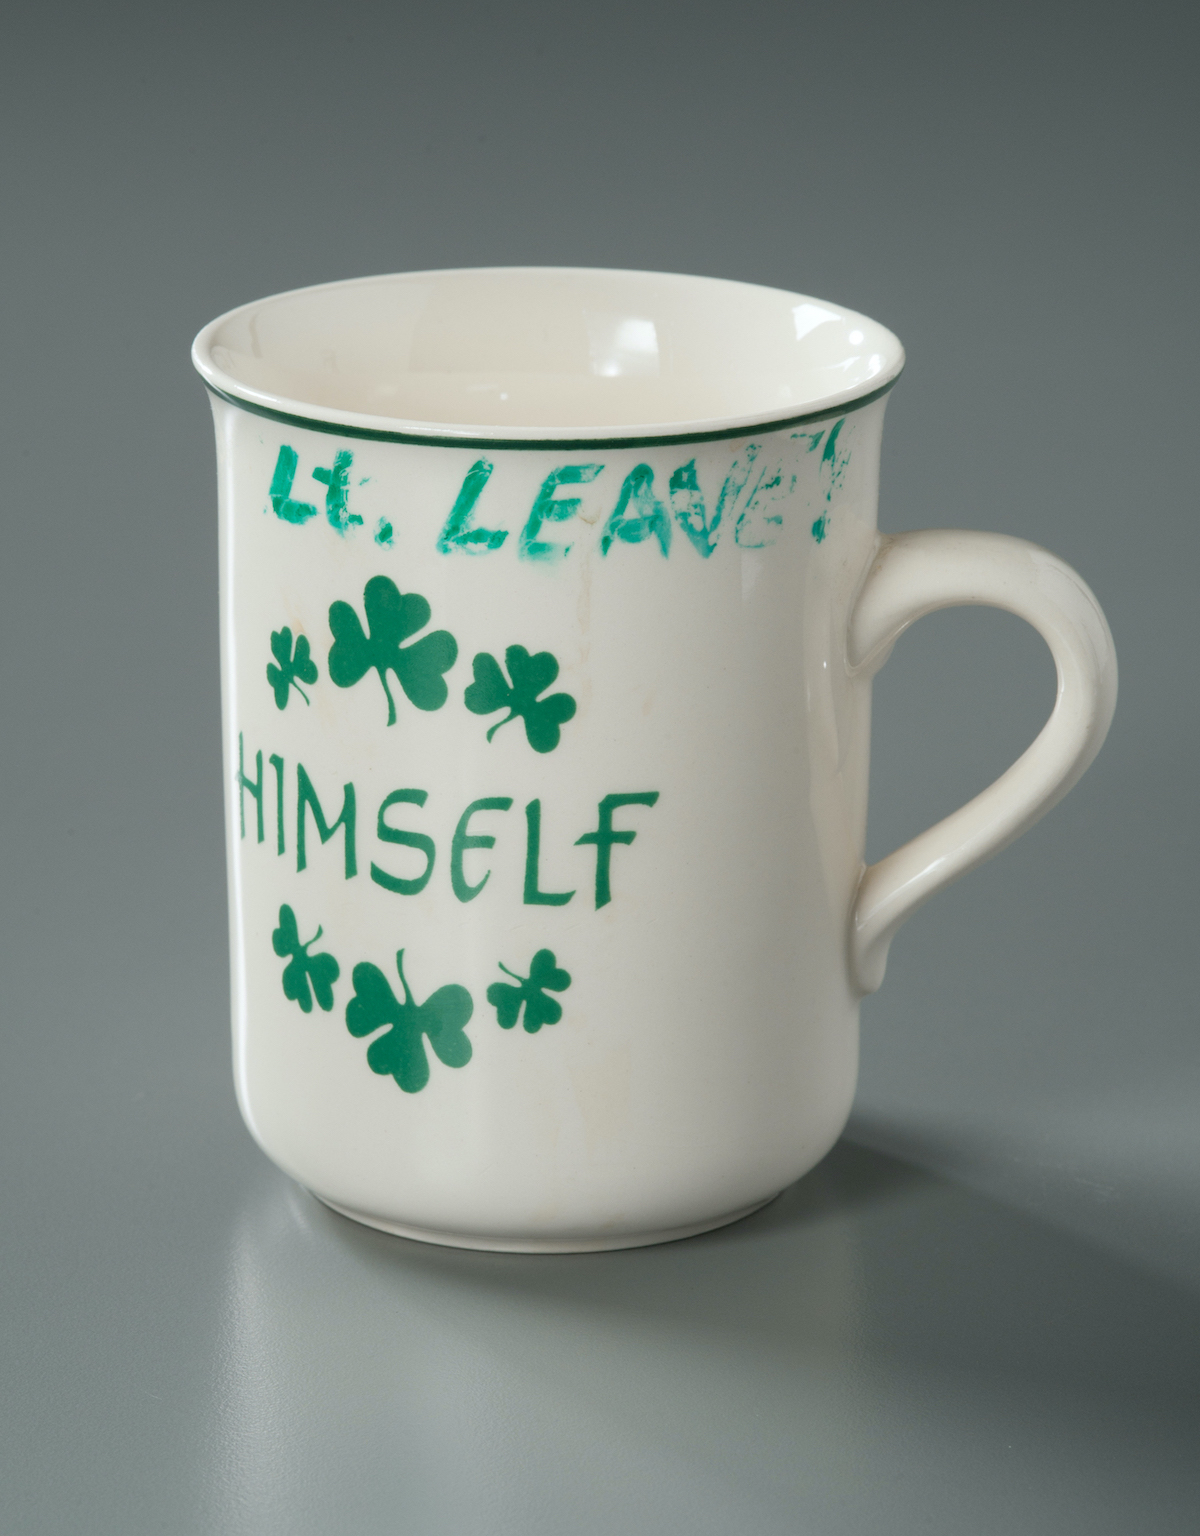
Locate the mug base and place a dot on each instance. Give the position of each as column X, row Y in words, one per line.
column 598, row 1244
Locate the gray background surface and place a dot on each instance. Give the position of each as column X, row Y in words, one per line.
column 982, row 1313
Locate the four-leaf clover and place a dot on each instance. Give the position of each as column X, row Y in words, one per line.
column 321, row 970
column 507, row 1000
column 391, row 617
column 400, row 1051
column 293, row 669
column 530, row 675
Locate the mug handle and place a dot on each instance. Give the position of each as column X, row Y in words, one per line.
column 914, row 574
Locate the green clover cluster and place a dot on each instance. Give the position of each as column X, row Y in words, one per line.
column 394, row 617
column 402, row 1027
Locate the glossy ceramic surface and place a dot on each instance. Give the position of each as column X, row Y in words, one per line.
column 550, row 607
column 545, row 352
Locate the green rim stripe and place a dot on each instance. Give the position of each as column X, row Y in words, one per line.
column 544, row 444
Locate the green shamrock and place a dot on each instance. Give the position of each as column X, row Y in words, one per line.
column 530, row 675
column 291, row 666
column 321, row 970
column 400, row 1051
column 391, row 618
column 507, row 1000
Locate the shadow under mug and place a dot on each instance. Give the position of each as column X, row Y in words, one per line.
column 551, row 601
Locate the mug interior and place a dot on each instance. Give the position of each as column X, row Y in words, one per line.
column 531, row 351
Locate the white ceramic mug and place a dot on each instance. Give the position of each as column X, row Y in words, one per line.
column 551, row 601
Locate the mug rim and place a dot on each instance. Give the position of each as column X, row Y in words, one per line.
column 306, row 414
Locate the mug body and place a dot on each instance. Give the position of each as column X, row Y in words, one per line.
column 546, row 772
